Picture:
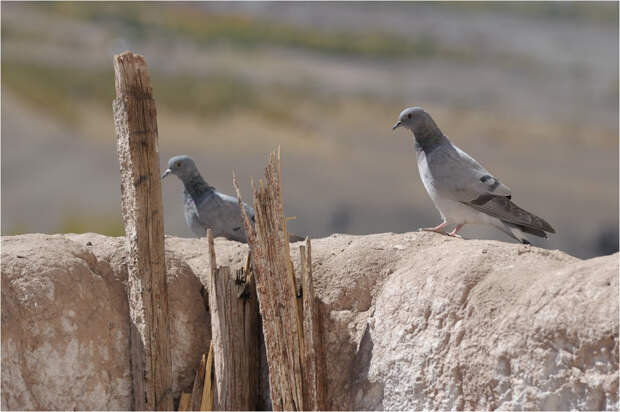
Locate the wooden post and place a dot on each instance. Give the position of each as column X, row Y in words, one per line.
column 294, row 383
column 313, row 368
column 235, row 335
column 135, row 122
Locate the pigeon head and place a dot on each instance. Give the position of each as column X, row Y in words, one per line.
column 181, row 166
column 414, row 118
column 420, row 123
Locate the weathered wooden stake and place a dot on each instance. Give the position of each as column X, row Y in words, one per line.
column 184, row 402
column 295, row 376
column 135, row 122
column 313, row 367
column 207, row 393
column 235, row 335
column 197, row 389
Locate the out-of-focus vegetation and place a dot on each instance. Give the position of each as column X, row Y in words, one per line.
column 143, row 19
column 77, row 222
column 61, row 92
column 529, row 89
column 604, row 12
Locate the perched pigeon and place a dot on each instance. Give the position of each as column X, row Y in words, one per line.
column 206, row 208
column 462, row 190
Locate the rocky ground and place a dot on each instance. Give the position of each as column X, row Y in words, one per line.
column 409, row 321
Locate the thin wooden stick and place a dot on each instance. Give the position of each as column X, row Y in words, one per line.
column 207, row 393
column 314, row 378
column 185, row 401
column 198, row 384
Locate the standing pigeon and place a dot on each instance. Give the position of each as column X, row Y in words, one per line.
column 462, row 190
column 206, row 208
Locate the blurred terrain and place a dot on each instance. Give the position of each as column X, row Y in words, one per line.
column 528, row 89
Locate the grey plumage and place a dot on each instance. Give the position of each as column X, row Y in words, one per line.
column 205, row 208
column 462, row 190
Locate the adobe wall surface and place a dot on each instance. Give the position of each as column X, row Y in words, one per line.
column 409, row 321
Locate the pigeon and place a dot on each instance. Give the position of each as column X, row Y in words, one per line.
column 462, row 190
column 205, row 208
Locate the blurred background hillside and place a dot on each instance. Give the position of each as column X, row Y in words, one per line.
column 528, row 89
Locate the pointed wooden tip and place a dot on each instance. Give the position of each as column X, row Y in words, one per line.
column 211, row 243
column 184, row 401
column 207, row 393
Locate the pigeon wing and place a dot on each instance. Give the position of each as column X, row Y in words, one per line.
column 504, row 209
column 221, row 212
column 462, row 178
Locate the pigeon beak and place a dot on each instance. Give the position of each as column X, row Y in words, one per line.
column 166, row 173
column 397, row 125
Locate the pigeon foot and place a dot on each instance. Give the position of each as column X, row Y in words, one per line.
column 436, row 229
column 455, row 231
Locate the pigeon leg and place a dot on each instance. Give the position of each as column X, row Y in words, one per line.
column 436, row 228
column 455, row 231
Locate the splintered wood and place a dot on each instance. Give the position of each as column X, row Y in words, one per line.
column 235, row 335
column 291, row 335
column 184, row 402
column 199, row 382
column 201, row 398
column 313, row 367
column 207, row 392
column 135, row 123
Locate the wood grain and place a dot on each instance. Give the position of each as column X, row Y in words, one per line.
column 295, row 377
column 135, row 123
column 207, row 393
column 197, row 389
column 233, row 305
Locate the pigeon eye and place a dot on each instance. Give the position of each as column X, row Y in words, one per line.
column 409, row 116
column 178, row 164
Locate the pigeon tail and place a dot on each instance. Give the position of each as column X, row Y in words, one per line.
column 525, row 229
column 536, row 225
column 531, row 231
column 508, row 212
